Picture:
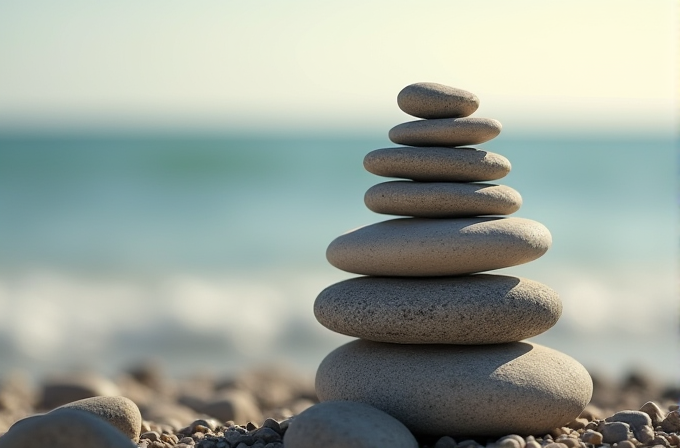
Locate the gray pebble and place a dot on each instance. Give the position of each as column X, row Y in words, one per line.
column 636, row 420
column 121, row 412
column 347, row 424
column 445, row 132
column 474, row 309
column 518, row 381
column 441, row 199
column 672, row 422
column 434, row 164
column 614, row 432
column 65, row 428
column 419, row 247
column 432, row 100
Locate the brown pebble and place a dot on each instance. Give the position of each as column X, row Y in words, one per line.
column 592, row 437
column 654, row 411
column 556, row 445
column 626, row 444
column 150, row 435
column 672, row 422
column 578, row 423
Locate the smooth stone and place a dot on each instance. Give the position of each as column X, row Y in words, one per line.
column 672, row 422
column 432, row 100
column 347, row 424
column 64, row 428
column 636, row 419
column 445, row 132
column 441, row 199
column 417, row 247
column 476, row 309
column 459, row 390
column 120, row 412
column 615, row 432
column 654, row 411
column 434, row 164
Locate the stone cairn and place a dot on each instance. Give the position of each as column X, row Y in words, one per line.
column 441, row 347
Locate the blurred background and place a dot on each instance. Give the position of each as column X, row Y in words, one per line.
column 172, row 172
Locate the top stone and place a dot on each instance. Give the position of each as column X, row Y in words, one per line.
column 432, row 100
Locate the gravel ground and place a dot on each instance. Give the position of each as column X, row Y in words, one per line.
column 254, row 409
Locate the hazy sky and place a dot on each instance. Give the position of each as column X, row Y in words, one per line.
column 225, row 65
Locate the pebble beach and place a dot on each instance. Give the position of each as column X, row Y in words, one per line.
column 255, row 408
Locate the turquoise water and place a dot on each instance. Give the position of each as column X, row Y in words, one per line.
column 182, row 248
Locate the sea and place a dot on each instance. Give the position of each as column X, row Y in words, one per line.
column 205, row 252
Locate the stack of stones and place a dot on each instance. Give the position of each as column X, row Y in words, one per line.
column 441, row 347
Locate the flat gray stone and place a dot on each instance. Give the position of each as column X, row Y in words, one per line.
column 417, row 247
column 475, row 309
column 120, row 412
column 64, row 428
column 432, row 100
column 432, row 164
column 347, row 424
column 441, row 199
column 445, row 132
column 459, row 390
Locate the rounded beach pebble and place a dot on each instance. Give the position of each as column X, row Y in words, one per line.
column 432, row 100
column 347, row 424
column 441, row 199
column 64, row 428
column 475, row 309
column 434, row 164
column 418, row 247
column 445, row 132
column 459, row 390
column 121, row 412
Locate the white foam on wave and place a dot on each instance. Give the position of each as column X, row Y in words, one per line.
column 54, row 320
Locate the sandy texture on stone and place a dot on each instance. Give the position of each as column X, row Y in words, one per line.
column 441, row 199
column 485, row 390
column 434, row 164
column 346, row 424
column 432, row 100
column 445, row 132
column 120, row 412
column 64, row 428
column 415, row 247
column 476, row 309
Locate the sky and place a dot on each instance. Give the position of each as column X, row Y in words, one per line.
column 224, row 66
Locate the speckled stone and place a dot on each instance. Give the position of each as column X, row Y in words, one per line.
column 432, row 100
column 458, row 390
column 64, row 428
column 121, row 412
column 347, row 424
column 416, row 247
column 475, row 309
column 445, row 132
column 434, row 164
column 441, row 199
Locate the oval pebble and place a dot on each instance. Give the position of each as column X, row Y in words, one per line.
column 346, row 424
column 483, row 390
column 475, row 309
column 434, row 164
column 441, row 199
column 64, row 428
column 120, row 412
column 417, row 247
column 432, row 100
column 445, row 132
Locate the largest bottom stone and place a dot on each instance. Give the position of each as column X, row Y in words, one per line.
column 486, row 390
